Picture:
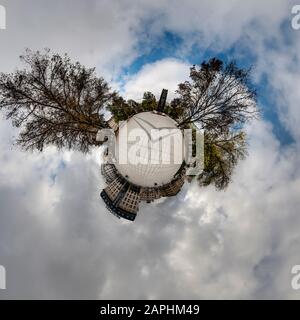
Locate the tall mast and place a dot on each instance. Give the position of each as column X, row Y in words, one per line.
column 162, row 100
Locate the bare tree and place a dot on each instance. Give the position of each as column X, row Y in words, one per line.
column 217, row 97
column 57, row 102
column 54, row 102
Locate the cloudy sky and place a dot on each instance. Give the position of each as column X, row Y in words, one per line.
column 57, row 240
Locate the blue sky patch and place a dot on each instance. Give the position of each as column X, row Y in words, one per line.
column 169, row 45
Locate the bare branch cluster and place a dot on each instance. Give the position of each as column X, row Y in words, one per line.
column 57, row 102
column 54, row 102
column 217, row 97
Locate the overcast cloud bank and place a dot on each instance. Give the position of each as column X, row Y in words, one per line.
column 57, row 240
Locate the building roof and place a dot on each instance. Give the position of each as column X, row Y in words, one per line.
column 140, row 168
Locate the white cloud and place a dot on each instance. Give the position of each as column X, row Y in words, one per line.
column 56, row 238
column 98, row 33
column 167, row 73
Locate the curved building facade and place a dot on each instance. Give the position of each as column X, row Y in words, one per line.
column 128, row 184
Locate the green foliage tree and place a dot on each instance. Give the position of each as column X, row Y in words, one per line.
column 122, row 110
column 149, row 102
column 221, row 155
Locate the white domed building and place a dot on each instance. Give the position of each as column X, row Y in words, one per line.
column 151, row 150
column 149, row 163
